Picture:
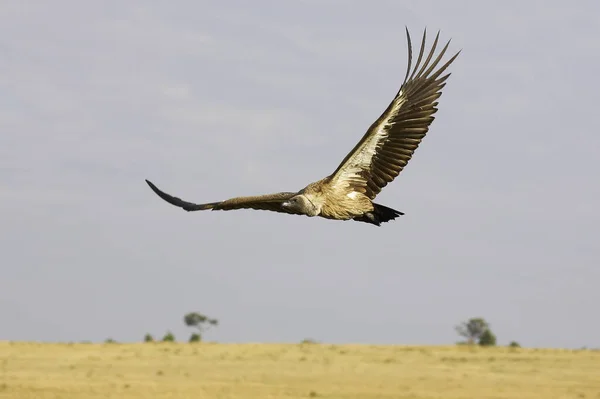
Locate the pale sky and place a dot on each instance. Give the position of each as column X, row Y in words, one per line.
column 211, row 100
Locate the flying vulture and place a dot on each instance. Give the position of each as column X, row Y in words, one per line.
column 381, row 154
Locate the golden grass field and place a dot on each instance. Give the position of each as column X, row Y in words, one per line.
column 252, row 371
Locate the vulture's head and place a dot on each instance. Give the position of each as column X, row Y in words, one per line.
column 301, row 204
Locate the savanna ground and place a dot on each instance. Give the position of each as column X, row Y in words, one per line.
column 252, row 371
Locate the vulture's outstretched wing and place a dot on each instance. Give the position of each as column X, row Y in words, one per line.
column 269, row 202
column 391, row 140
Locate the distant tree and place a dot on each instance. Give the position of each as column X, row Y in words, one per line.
column 148, row 338
column 200, row 322
column 514, row 344
column 487, row 338
column 169, row 337
column 110, row 341
column 472, row 329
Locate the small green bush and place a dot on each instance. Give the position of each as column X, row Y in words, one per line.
column 514, row 344
column 148, row 338
column 195, row 337
column 169, row 337
column 487, row 338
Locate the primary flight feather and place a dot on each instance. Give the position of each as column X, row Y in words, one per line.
column 381, row 154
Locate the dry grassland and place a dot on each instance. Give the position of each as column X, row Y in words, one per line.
column 253, row 371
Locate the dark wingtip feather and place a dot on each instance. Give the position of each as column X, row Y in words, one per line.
column 409, row 54
column 419, row 59
column 154, row 188
column 188, row 206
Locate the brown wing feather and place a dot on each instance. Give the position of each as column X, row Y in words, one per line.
column 391, row 140
column 269, row 202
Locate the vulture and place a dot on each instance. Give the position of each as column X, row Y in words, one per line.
column 380, row 155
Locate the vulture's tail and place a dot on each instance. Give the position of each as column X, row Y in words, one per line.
column 380, row 214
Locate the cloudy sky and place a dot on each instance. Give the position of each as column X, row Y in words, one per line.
column 212, row 99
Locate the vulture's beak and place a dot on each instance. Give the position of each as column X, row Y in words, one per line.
column 285, row 204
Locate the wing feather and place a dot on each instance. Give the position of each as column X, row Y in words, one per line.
column 390, row 142
column 268, row 202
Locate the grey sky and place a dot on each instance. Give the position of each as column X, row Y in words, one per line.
column 211, row 100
